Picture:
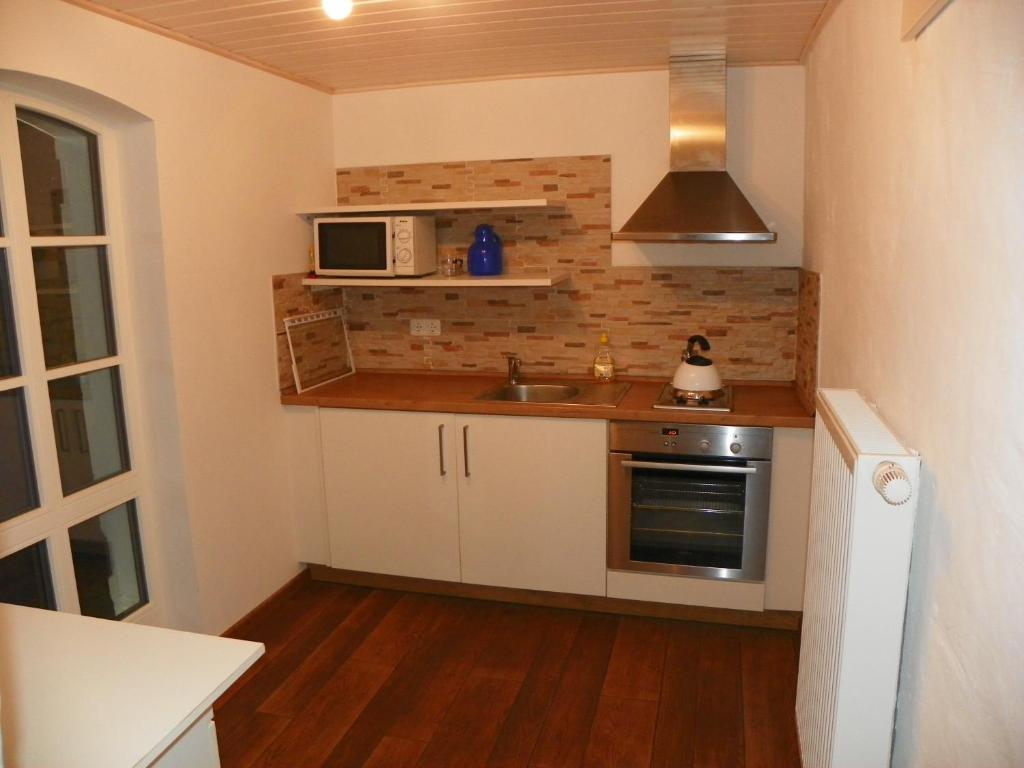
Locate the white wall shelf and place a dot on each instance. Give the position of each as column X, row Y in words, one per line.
column 513, row 280
column 464, row 205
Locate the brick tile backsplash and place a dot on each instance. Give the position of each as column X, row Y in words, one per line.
column 748, row 313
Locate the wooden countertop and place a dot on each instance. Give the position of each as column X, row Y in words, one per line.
column 755, row 404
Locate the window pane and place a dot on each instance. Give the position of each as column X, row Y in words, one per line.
column 62, row 179
column 25, row 578
column 9, row 365
column 88, row 425
column 108, row 563
column 73, row 291
column 17, row 473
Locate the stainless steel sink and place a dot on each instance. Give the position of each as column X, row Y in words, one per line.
column 534, row 393
column 557, row 393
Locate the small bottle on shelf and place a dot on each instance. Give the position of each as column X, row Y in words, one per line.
column 604, row 365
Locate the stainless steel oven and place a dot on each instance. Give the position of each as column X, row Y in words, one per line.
column 689, row 499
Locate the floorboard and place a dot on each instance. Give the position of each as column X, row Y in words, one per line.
column 414, row 695
column 467, row 734
column 358, row 676
column 677, row 705
column 522, row 727
column 622, row 735
column 275, row 623
column 304, row 635
column 393, row 752
column 769, row 690
column 315, row 670
column 637, row 665
column 312, row 735
column 718, row 739
column 566, row 730
column 443, row 676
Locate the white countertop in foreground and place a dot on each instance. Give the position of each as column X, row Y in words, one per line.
column 77, row 692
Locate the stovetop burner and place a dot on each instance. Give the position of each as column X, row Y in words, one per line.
column 668, row 401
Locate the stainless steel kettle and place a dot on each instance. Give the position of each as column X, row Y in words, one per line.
column 696, row 375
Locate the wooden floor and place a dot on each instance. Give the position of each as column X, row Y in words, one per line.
column 363, row 677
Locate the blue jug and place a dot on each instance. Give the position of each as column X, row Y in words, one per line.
column 485, row 252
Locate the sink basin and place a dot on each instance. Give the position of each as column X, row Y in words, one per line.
column 558, row 393
column 534, row 393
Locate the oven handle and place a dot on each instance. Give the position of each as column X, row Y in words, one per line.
column 720, row 469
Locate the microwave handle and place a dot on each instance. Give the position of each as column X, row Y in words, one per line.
column 716, row 468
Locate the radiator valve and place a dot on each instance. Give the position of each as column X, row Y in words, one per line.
column 892, row 483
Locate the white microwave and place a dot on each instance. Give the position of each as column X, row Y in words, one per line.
column 375, row 246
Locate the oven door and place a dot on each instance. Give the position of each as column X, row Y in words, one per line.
column 354, row 247
column 688, row 516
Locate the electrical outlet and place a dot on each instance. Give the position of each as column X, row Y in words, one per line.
column 425, row 327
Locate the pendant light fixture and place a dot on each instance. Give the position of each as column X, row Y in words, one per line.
column 337, row 9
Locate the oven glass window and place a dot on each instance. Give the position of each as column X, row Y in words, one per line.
column 354, row 245
column 687, row 518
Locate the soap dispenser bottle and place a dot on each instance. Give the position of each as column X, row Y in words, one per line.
column 604, row 365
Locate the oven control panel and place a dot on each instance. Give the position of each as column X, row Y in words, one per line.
column 691, row 439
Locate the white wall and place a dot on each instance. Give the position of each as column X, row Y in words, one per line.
column 237, row 151
column 622, row 115
column 914, row 203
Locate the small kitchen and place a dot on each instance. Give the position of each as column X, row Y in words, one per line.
column 407, row 383
column 458, row 429
column 522, row 485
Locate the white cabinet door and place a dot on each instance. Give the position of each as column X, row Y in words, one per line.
column 792, row 458
column 195, row 748
column 391, row 505
column 532, row 500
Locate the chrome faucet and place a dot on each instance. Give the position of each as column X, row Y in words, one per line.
column 514, row 364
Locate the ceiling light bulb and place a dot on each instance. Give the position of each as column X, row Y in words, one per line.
column 337, row 9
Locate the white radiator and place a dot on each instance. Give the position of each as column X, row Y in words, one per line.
column 863, row 501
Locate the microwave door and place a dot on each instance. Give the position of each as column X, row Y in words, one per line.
column 355, row 247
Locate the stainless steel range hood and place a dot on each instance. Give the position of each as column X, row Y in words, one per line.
column 697, row 202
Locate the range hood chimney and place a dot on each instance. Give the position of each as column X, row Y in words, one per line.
column 697, row 202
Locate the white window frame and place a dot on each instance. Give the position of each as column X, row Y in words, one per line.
column 56, row 513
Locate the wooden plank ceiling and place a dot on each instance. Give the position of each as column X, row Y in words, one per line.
column 394, row 43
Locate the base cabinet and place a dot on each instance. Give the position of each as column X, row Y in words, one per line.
column 521, row 502
column 792, row 457
column 390, row 485
column 532, row 503
column 195, row 748
column 506, row 501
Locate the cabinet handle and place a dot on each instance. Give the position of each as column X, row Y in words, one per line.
column 440, row 447
column 465, row 449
